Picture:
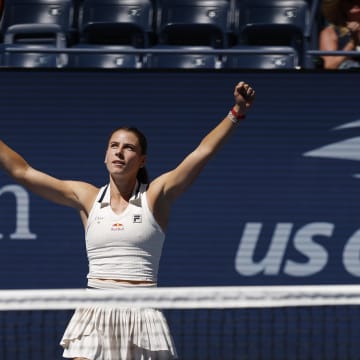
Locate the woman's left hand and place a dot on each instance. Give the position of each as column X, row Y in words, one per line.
column 244, row 96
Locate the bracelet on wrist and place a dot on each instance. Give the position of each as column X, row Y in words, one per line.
column 235, row 117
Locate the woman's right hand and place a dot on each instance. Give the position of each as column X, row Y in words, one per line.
column 354, row 28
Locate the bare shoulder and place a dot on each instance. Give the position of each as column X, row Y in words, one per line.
column 85, row 194
column 328, row 39
column 156, row 189
column 328, row 33
column 158, row 201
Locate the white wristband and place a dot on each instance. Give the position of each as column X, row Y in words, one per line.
column 234, row 117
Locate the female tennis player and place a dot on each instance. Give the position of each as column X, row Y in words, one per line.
column 125, row 223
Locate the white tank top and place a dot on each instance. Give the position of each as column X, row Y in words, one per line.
column 126, row 246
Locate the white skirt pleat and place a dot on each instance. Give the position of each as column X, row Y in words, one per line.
column 118, row 334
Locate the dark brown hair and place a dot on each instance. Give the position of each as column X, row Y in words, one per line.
column 334, row 11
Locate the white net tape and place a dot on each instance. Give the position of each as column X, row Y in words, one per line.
column 235, row 322
column 183, row 297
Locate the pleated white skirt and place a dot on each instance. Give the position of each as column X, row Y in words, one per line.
column 118, row 334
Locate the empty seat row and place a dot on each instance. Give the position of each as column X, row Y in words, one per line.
column 160, row 33
column 165, row 58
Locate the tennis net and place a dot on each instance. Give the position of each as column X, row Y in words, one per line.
column 222, row 323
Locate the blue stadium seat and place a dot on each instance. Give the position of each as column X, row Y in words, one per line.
column 261, row 57
column 43, row 54
column 272, row 23
column 110, row 32
column 31, row 29
column 50, row 12
column 252, row 13
column 188, row 26
column 105, row 57
column 193, row 22
column 126, row 22
column 182, row 57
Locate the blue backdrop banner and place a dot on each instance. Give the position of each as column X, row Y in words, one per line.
column 278, row 205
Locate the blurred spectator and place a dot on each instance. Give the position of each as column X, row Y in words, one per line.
column 341, row 33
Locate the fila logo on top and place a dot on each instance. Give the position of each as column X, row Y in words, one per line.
column 274, row 262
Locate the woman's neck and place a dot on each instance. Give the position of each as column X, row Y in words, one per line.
column 122, row 189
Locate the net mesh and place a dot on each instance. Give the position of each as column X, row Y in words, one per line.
column 305, row 322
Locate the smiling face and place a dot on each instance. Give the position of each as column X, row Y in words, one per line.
column 124, row 155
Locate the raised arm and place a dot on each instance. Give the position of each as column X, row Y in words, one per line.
column 75, row 194
column 164, row 190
